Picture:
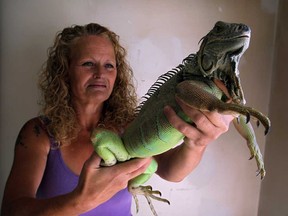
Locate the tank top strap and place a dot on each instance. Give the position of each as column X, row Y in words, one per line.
column 54, row 144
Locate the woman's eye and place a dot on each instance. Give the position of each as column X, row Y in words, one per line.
column 109, row 66
column 88, row 64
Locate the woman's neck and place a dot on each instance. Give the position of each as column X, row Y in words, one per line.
column 89, row 116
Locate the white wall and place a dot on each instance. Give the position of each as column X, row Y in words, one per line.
column 274, row 190
column 158, row 35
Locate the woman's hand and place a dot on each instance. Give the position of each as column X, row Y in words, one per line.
column 98, row 184
column 206, row 127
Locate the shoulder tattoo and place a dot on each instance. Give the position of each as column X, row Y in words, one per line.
column 37, row 129
column 20, row 139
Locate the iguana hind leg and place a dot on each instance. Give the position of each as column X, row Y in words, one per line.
column 148, row 193
column 136, row 188
column 109, row 147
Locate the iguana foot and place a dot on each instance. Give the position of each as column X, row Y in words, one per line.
column 255, row 153
column 148, row 193
column 247, row 132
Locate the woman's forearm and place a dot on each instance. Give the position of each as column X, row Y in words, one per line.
column 67, row 204
column 177, row 163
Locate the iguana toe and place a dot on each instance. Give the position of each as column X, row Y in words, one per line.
column 148, row 192
column 262, row 173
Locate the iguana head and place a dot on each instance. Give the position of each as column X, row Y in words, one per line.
column 219, row 55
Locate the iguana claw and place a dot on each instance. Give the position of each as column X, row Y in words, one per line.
column 247, row 117
column 148, row 192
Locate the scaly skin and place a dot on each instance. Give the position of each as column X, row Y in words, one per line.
column 209, row 81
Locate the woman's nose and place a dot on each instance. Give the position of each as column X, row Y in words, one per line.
column 97, row 72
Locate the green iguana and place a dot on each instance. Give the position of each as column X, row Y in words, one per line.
column 199, row 82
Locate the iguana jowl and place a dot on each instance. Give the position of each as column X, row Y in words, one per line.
column 209, row 81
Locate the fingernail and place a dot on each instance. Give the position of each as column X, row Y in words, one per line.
column 167, row 108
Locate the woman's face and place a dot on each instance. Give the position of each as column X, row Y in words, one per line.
column 92, row 69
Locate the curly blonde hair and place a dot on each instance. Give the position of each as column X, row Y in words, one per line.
column 118, row 110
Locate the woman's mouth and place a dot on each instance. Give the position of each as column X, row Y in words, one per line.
column 97, row 85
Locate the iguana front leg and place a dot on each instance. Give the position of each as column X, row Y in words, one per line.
column 194, row 95
column 136, row 188
column 110, row 148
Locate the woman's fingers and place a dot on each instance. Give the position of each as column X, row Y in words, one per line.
column 133, row 167
column 93, row 162
column 206, row 126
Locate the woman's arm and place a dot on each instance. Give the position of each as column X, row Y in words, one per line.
column 177, row 163
column 95, row 186
column 30, row 155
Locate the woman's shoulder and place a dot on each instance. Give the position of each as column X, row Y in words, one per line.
column 34, row 133
column 34, row 126
column 35, row 120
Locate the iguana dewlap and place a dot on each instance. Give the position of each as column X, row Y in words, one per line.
column 209, row 81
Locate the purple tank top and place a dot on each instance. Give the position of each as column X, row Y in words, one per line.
column 59, row 179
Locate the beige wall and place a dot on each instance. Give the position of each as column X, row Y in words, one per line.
column 274, row 190
column 158, row 35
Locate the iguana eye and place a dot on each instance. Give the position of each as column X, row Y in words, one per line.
column 219, row 27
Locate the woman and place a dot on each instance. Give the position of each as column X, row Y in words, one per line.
column 86, row 83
